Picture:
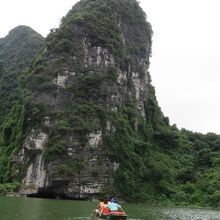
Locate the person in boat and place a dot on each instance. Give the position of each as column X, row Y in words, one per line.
column 113, row 199
column 114, row 207
column 100, row 205
column 105, row 208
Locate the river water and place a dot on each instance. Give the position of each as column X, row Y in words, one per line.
column 45, row 209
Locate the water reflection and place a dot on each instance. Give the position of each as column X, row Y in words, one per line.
column 145, row 212
column 191, row 214
column 43, row 209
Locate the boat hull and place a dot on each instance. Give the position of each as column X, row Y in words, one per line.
column 116, row 217
column 111, row 216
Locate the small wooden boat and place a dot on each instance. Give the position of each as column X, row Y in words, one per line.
column 116, row 215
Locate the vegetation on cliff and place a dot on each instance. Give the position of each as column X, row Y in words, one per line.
column 17, row 51
column 158, row 162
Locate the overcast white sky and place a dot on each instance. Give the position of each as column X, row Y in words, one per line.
column 185, row 64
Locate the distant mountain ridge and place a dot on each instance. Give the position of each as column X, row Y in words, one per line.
column 23, row 42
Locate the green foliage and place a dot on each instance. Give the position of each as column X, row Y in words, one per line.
column 63, row 46
column 95, row 171
column 65, row 170
column 9, row 188
column 63, row 125
column 55, row 148
column 79, row 163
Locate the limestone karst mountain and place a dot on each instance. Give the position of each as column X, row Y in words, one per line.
column 90, row 81
column 87, row 122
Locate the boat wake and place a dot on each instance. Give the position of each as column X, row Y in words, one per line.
column 79, row 218
column 135, row 219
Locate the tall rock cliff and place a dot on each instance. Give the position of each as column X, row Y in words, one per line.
column 87, row 103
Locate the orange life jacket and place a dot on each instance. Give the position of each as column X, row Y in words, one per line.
column 100, row 206
column 105, row 210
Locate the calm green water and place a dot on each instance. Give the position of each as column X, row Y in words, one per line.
column 44, row 209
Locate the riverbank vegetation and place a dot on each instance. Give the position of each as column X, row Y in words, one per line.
column 7, row 188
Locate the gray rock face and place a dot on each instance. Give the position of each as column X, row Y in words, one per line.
column 31, row 155
column 91, row 168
